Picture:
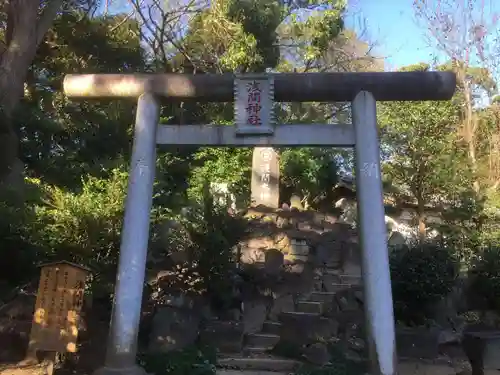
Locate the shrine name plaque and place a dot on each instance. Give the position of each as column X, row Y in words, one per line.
column 253, row 104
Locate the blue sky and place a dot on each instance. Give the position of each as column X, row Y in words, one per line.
column 392, row 25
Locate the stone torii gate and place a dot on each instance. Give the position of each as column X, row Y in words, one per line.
column 362, row 89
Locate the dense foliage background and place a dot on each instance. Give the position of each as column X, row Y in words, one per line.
column 63, row 165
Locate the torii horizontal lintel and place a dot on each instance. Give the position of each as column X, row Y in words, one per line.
column 289, row 87
column 291, row 135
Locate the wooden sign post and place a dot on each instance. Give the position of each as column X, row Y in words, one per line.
column 57, row 309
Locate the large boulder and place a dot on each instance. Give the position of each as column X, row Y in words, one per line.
column 338, row 248
column 274, row 260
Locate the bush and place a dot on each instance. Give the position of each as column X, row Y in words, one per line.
column 189, row 361
column 485, row 277
column 212, row 235
column 421, row 274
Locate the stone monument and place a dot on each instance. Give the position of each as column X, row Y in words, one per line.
column 265, row 177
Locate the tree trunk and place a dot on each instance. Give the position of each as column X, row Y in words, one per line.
column 470, row 123
column 422, row 230
column 27, row 24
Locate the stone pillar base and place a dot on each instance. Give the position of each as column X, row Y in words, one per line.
column 133, row 370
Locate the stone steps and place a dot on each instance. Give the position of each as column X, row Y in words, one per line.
column 351, row 280
column 253, row 351
column 261, row 340
column 271, row 327
column 298, row 313
column 258, row 364
column 334, row 287
column 310, row 307
column 322, row 296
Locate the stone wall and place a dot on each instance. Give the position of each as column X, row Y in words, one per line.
column 298, row 284
column 301, row 237
column 305, row 282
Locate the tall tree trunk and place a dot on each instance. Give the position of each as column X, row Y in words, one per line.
column 470, row 127
column 422, row 230
column 27, row 23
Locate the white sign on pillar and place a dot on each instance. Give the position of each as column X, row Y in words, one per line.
column 253, row 104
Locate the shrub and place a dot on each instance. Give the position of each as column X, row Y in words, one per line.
column 421, row 274
column 189, row 361
column 485, row 277
column 213, row 235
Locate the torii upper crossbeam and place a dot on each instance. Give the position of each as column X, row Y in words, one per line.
column 289, row 87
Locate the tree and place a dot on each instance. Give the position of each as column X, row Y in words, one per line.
column 25, row 23
column 311, row 173
column 81, row 137
column 425, row 162
column 464, row 32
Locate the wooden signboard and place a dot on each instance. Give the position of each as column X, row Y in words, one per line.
column 58, row 306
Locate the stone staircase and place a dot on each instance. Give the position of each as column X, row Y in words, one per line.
column 264, row 341
column 308, row 305
column 257, row 347
column 317, row 260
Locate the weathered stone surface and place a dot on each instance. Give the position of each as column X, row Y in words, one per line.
column 226, row 337
column 293, row 259
column 264, row 341
column 310, row 307
column 351, row 279
column 317, row 354
column 281, row 304
column 318, row 219
column 352, row 266
column 274, row 260
column 260, row 242
column 346, row 302
column 271, row 327
column 250, row 255
column 356, row 344
column 254, row 315
column 299, row 248
column 482, row 348
column 173, row 329
column 332, row 283
column 283, row 222
column 316, row 252
column 350, row 323
column 296, row 203
column 305, row 329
